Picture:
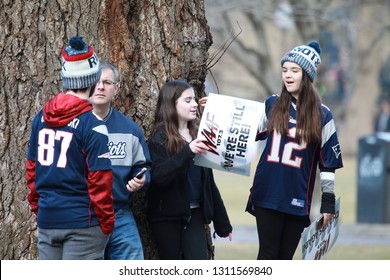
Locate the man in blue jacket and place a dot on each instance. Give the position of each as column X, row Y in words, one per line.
column 129, row 155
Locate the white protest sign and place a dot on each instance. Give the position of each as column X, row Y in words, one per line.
column 229, row 126
column 316, row 241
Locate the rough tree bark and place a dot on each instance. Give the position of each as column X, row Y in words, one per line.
column 150, row 41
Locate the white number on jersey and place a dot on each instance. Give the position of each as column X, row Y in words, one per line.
column 288, row 149
column 46, row 143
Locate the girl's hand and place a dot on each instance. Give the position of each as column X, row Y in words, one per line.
column 328, row 217
column 198, row 147
column 230, row 236
column 202, row 102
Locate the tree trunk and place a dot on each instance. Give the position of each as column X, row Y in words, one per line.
column 151, row 42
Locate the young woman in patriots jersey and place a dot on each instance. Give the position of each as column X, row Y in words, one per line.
column 300, row 135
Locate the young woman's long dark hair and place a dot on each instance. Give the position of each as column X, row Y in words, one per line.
column 166, row 116
column 308, row 113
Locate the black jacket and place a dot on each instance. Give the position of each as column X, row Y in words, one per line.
column 168, row 196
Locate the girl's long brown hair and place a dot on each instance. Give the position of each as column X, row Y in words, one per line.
column 309, row 125
column 166, row 115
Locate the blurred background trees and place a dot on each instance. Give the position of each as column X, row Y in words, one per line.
column 355, row 40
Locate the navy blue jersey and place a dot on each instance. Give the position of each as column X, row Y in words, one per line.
column 286, row 173
column 61, row 158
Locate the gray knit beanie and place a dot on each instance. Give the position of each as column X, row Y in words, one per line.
column 306, row 56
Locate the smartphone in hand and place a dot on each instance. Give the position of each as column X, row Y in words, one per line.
column 141, row 173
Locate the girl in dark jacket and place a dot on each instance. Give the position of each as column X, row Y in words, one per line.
column 183, row 197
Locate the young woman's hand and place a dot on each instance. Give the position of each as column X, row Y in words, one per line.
column 230, row 236
column 198, row 147
column 328, row 217
column 202, row 102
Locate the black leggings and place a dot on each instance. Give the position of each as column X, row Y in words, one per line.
column 279, row 233
column 178, row 240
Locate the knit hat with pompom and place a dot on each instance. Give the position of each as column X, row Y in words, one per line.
column 306, row 56
column 80, row 65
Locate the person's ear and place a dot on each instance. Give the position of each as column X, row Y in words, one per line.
column 117, row 87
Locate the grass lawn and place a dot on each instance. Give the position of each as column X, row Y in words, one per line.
column 248, row 251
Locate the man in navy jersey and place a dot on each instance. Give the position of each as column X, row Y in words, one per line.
column 68, row 167
column 300, row 136
column 129, row 155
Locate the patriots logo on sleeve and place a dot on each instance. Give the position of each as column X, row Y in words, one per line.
column 105, row 155
column 337, row 150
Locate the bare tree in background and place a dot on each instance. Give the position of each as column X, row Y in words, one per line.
column 359, row 29
column 150, row 41
column 266, row 23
